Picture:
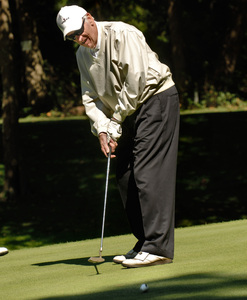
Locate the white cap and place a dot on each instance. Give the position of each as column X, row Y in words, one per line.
column 69, row 18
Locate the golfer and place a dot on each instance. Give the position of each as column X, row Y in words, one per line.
column 133, row 106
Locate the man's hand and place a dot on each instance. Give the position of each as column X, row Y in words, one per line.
column 105, row 146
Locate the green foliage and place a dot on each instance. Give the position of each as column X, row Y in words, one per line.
column 213, row 98
column 202, row 27
column 59, row 4
column 163, row 37
column 135, row 15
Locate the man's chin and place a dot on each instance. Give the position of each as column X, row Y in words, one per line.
column 87, row 46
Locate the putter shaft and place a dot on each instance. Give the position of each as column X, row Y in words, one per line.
column 105, row 200
column 100, row 259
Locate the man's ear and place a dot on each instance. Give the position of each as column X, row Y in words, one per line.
column 89, row 16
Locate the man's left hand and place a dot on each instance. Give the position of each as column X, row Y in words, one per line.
column 103, row 139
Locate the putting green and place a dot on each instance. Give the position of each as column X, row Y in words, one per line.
column 210, row 263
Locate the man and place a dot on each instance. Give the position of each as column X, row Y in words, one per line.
column 131, row 100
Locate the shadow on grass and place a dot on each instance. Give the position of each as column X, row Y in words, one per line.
column 212, row 173
column 63, row 180
column 63, row 183
column 193, row 286
column 83, row 261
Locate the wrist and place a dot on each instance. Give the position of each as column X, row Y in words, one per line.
column 101, row 133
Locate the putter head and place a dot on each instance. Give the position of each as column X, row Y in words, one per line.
column 96, row 259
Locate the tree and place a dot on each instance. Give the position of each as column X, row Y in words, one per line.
column 232, row 25
column 23, row 81
column 11, row 190
column 33, row 75
column 177, row 43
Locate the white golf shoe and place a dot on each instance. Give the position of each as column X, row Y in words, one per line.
column 120, row 258
column 3, row 251
column 144, row 259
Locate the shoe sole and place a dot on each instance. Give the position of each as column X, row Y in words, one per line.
column 155, row 263
column 4, row 253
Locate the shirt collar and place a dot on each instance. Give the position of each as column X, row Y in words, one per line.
column 99, row 36
column 95, row 51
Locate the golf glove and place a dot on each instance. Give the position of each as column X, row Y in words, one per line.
column 114, row 130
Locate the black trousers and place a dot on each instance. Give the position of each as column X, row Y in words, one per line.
column 146, row 172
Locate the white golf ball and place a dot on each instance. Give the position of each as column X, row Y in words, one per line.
column 144, row 288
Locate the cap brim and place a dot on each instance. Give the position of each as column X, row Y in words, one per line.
column 72, row 26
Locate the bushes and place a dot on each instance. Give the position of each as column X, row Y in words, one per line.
column 213, row 99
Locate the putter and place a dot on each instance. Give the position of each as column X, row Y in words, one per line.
column 100, row 259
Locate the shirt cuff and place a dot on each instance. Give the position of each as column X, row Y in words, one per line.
column 117, row 117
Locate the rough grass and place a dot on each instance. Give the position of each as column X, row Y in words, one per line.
column 210, row 263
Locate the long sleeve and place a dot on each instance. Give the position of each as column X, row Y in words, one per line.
column 132, row 62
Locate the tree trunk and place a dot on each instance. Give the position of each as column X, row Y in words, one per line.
column 177, row 44
column 234, row 35
column 236, row 24
column 11, row 190
column 32, row 61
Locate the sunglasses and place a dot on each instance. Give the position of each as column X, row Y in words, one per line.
column 72, row 36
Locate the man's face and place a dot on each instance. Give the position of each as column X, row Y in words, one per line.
column 88, row 38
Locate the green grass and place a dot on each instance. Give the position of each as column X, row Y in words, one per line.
column 220, row 109
column 210, row 263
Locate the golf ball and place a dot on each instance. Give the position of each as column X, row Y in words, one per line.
column 144, row 288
